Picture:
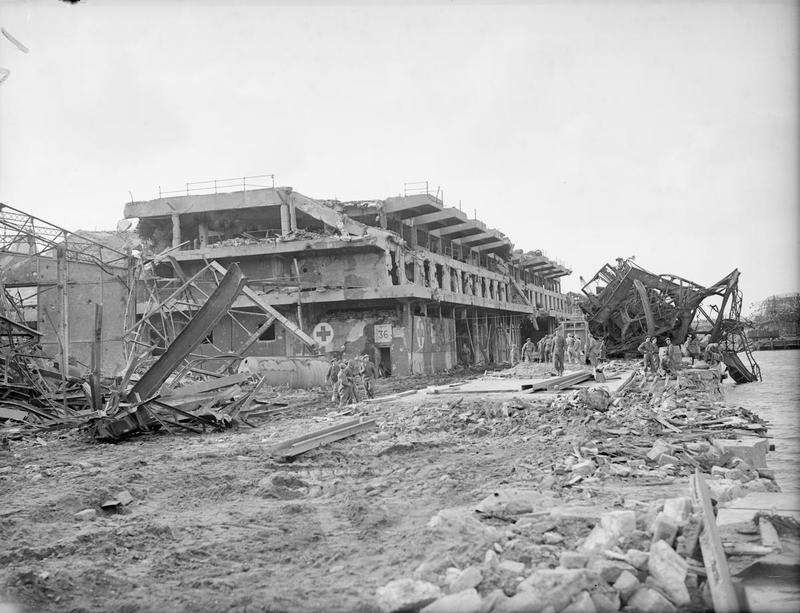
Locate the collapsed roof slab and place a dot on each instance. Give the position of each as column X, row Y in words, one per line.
column 411, row 206
column 203, row 203
column 467, row 228
column 317, row 245
column 493, row 246
column 449, row 216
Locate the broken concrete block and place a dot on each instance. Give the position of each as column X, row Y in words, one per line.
column 619, row 522
column 599, row 539
column 659, row 447
column 609, row 570
column 86, row 515
column 558, row 586
column 637, row 559
column 665, row 459
column 552, row 538
column 493, row 601
column 490, row 559
column 690, row 533
column 664, row 528
column 761, row 485
column 469, row 577
column 719, row 471
column 668, row 570
column 678, row 508
column 584, row 468
column 406, row 594
column 582, row 603
column 606, row 601
column 572, row 559
column 521, row 602
column 626, row 584
column 723, row 490
column 647, row 600
column 466, row 601
column 752, row 450
column 510, row 566
column 124, row 497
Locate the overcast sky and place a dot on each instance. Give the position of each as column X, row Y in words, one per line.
column 664, row 130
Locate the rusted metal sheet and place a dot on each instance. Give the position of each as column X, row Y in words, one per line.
column 192, row 335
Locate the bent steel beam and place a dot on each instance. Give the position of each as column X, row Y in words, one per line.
column 193, row 334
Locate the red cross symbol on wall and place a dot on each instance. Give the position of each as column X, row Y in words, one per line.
column 323, row 333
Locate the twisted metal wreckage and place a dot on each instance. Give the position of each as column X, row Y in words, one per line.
column 626, row 303
column 49, row 276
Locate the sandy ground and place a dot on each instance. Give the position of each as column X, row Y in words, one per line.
column 217, row 525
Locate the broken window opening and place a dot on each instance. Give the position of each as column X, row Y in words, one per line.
column 268, row 334
column 393, row 271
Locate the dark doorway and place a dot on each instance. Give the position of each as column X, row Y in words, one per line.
column 385, row 365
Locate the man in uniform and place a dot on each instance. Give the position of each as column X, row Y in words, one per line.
column 693, row 348
column 559, row 346
column 528, row 350
column 593, row 349
column 345, row 386
column 369, row 372
column 331, row 378
column 548, row 347
column 647, row 348
column 540, row 348
column 571, row 348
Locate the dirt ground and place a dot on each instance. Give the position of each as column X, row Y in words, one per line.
column 217, row 525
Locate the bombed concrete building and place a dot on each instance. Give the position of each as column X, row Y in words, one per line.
column 416, row 285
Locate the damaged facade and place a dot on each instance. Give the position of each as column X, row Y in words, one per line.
column 417, row 286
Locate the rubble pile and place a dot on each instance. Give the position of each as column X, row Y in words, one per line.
column 567, row 559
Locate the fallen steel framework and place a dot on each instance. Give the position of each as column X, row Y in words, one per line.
column 626, row 303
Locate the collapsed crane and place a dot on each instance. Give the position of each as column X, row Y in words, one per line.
column 626, row 303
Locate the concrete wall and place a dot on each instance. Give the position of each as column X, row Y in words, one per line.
column 433, row 342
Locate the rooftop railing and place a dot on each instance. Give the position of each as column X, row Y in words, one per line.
column 214, row 186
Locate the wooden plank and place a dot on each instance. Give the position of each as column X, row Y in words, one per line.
column 723, row 593
column 15, row 414
column 322, row 437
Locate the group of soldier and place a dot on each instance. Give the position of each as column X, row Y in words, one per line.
column 670, row 354
column 344, row 378
column 555, row 348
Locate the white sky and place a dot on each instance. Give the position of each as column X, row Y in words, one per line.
column 667, row 130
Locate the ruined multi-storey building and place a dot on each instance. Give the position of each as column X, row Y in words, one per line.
column 415, row 284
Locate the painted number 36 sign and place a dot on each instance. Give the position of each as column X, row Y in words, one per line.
column 383, row 334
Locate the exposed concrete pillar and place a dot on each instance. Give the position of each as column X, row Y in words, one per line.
column 400, row 261
column 292, row 217
column 286, row 225
column 176, row 229
column 202, row 229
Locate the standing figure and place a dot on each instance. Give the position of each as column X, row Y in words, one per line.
column 559, row 346
column 666, row 358
column 571, row 348
column 369, row 373
column 540, row 349
column 579, row 350
column 647, row 348
column 528, row 350
column 514, row 354
column 331, row 377
column 593, row 352
column 693, row 348
column 548, row 348
column 345, row 386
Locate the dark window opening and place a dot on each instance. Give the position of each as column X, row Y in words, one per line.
column 393, row 272
column 268, row 334
column 440, row 276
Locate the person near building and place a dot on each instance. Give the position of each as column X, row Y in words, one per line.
column 548, row 348
column 515, row 354
column 332, row 378
column 579, row 349
column 593, row 349
column 647, row 348
column 559, row 346
column 571, row 348
column 528, row 350
column 369, row 373
column 666, row 356
column 540, row 348
column 345, row 385
column 693, row 348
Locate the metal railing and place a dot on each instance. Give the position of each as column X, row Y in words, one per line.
column 415, row 188
column 213, row 186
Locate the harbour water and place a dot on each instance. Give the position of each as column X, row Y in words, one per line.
column 777, row 400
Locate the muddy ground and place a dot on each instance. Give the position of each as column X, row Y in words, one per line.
column 218, row 525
